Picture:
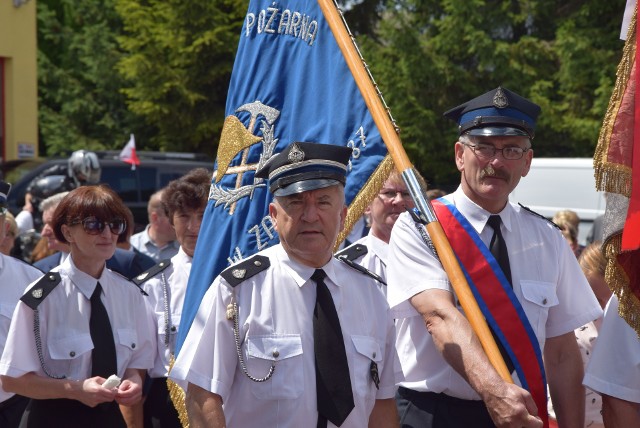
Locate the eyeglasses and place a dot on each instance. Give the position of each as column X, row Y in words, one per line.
column 93, row 226
column 388, row 195
column 487, row 151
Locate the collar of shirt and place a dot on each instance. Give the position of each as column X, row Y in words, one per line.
column 475, row 214
column 85, row 282
column 378, row 247
column 182, row 259
column 148, row 242
column 300, row 273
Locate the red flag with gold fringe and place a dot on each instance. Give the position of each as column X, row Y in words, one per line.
column 617, row 165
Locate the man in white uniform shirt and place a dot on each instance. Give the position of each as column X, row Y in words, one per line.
column 260, row 353
column 449, row 381
column 15, row 275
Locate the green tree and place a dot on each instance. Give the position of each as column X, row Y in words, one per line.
column 79, row 94
column 431, row 55
column 177, row 66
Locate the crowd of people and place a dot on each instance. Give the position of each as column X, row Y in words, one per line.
column 297, row 335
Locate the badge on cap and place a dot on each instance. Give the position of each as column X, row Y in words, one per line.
column 295, row 154
column 500, row 99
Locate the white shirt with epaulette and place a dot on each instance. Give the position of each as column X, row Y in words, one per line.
column 370, row 252
column 547, row 281
column 63, row 310
column 274, row 313
column 15, row 275
column 171, row 280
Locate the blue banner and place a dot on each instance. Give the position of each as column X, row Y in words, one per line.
column 290, row 83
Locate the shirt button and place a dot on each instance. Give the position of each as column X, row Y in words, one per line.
column 133, row 346
column 544, row 301
column 374, row 355
column 72, row 354
column 276, row 354
column 173, row 328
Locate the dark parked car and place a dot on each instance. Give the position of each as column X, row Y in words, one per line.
column 134, row 186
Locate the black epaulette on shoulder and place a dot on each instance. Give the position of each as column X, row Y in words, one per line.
column 352, row 252
column 244, row 270
column 130, row 281
column 151, row 272
column 360, row 268
column 530, row 211
column 41, row 289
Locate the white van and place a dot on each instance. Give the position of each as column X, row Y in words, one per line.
column 555, row 184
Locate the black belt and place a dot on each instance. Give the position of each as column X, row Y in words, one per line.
column 430, row 401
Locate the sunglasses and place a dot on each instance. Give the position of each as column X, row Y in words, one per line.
column 93, row 226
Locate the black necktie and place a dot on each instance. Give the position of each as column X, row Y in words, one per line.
column 498, row 248
column 103, row 357
column 333, row 384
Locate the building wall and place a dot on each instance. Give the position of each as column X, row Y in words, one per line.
column 18, row 48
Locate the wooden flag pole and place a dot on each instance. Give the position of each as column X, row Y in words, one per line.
column 401, row 160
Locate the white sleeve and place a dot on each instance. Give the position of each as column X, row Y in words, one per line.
column 411, row 268
column 614, row 366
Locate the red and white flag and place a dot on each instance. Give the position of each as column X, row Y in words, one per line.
column 128, row 154
column 617, row 166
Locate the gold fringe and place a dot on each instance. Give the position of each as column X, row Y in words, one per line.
column 612, row 177
column 178, row 396
column 618, row 282
column 365, row 196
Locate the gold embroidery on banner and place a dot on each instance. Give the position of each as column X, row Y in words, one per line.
column 236, row 138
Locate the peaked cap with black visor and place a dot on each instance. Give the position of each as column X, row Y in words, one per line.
column 301, row 167
column 499, row 112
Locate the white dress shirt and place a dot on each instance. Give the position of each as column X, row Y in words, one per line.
column 64, row 327
column 275, row 318
column 15, row 275
column 547, row 281
column 174, row 280
column 376, row 258
column 614, row 367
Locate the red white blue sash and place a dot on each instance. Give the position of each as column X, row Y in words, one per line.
column 497, row 302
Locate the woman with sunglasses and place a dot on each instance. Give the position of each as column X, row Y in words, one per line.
column 80, row 324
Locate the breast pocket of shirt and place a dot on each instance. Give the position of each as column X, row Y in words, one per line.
column 171, row 329
column 539, row 297
column 367, row 364
column 284, row 353
column 126, row 344
column 66, row 351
